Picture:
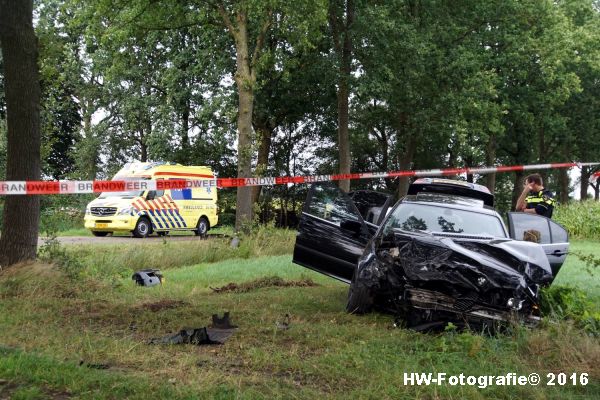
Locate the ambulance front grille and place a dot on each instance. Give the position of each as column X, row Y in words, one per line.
column 103, row 211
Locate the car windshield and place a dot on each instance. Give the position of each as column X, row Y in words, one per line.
column 123, row 195
column 439, row 219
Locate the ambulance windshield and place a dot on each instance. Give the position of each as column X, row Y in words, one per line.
column 127, row 194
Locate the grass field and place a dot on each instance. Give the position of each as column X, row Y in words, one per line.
column 50, row 323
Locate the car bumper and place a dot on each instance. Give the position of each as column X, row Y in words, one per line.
column 110, row 224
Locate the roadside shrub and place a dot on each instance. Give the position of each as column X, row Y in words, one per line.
column 59, row 213
column 580, row 218
column 54, row 253
column 563, row 302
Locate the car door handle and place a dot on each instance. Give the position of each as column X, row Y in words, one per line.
column 557, row 253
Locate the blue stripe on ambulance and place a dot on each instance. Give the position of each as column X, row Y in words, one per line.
column 144, row 213
column 169, row 211
column 180, row 218
column 166, row 214
column 155, row 218
column 161, row 214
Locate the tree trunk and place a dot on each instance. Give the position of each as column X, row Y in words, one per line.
column 185, row 136
column 265, row 135
column 88, row 159
column 585, row 182
column 22, row 90
column 517, row 188
column 245, row 79
column 405, row 164
column 469, row 164
column 342, row 38
column 490, row 160
column 563, row 179
column 143, row 147
column 245, row 84
column 343, row 135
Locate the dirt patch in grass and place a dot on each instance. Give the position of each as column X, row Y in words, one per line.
column 9, row 390
column 166, row 304
column 271, row 281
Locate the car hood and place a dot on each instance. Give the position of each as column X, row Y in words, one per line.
column 456, row 263
column 112, row 202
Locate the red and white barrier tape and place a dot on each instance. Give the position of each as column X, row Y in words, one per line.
column 74, row 187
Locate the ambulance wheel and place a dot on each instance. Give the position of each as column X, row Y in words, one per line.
column 142, row 228
column 100, row 234
column 202, row 227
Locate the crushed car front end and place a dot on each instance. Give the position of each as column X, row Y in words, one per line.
column 431, row 280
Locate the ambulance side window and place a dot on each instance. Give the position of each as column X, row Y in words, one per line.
column 181, row 194
column 160, row 193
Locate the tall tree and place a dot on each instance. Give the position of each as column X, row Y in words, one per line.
column 341, row 20
column 22, row 90
column 249, row 23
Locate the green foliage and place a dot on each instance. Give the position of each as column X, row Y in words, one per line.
column 563, row 302
column 61, row 213
column 438, row 84
column 580, row 218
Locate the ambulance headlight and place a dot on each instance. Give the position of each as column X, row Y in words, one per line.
column 88, row 211
column 126, row 211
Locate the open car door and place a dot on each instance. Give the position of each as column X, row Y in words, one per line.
column 332, row 234
column 552, row 236
column 372, row 205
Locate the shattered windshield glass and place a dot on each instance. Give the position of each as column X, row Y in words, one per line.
column 431, row 218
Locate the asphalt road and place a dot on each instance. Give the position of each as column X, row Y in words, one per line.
column 67, row 240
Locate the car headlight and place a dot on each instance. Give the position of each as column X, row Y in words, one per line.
column 515, row 304
column 126, row 211
column 88, row 211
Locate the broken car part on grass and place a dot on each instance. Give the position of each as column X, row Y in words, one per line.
column 442, row 254
column 148, row 277
column 217, row 333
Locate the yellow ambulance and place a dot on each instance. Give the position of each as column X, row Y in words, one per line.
column 159, row 211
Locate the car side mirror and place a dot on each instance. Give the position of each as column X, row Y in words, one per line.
column 151, row 194
column 350, row 225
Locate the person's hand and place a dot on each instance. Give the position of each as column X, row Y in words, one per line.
column 527, row 187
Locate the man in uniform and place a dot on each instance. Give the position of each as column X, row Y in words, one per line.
column 535, row 199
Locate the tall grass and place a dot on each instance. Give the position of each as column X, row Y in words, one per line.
column 118, row 260
column 581, row 219
column 61, row 331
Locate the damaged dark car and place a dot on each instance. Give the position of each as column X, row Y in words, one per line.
column 441, row 254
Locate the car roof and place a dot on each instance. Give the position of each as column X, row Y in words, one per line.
column 452, row 187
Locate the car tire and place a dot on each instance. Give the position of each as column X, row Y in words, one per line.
column 143, row 228
column 359, row 299
column 100, row 234
column 202, row 227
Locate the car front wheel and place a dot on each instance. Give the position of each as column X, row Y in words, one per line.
column 142, row 228
column 359, row 298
